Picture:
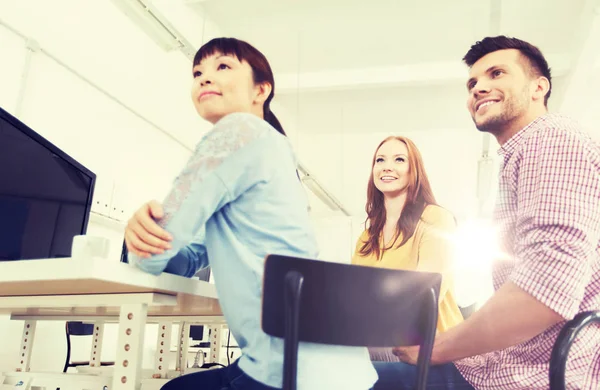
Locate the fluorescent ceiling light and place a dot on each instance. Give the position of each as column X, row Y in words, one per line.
column 147, row 17
column 155, row 25
column 315, row 187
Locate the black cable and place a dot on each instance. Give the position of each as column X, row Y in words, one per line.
column 210, row 365
column 228, row 338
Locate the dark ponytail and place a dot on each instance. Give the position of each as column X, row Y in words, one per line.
column 272, row 119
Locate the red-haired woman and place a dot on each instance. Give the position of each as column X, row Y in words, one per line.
column 406, row 229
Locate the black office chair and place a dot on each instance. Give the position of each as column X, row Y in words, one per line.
column 78, row 328
column 351, row 305
column 560, row 351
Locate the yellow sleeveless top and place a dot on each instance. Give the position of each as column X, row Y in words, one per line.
column 429, row 249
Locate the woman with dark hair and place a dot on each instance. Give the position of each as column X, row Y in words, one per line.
column 237, row 200
column 406, row 229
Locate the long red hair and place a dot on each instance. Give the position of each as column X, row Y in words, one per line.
column 418, row 197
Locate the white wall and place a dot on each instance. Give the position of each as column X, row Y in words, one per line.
column 13, row 55
column 134, row 159
column 591, row 116
column 343, row 164
column 337, row 134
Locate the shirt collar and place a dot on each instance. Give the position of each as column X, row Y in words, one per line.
column 509, row 146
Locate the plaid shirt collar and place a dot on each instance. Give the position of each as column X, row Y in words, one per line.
column 509, row 146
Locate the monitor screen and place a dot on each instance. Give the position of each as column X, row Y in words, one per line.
column 45, row 195
column 197, row 332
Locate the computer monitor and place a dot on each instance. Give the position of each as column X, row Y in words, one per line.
column 45, row 195
column 197, row 332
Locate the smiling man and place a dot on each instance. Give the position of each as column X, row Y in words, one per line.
column 508, row 88
column 548, row 212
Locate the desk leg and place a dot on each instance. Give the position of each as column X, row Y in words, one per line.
column 26, row 346
column 128, row 362
column 96, row 353
column 183, row 345
column 163, row 342
column 215, row 344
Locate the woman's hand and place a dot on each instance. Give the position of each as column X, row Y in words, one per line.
column 407, row 354
column 143, row 236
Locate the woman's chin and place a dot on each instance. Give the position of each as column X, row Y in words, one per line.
column 212, row 117
column 392, row 192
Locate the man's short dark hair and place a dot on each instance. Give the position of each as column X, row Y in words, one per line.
column 535, row 63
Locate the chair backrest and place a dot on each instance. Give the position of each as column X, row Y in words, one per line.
column 351, row 305
column 75, row 328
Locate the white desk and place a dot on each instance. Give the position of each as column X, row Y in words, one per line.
column 99, row 291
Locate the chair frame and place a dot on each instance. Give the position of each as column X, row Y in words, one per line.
column 564, row 341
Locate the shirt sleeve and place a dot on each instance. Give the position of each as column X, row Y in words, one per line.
column 558, row 224
column 226, row 162
column 189, row 259
column 437, row 250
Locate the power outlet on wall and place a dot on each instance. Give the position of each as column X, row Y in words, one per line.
column 102, row 197
column 117, row 211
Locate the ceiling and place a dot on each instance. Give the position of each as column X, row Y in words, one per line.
column 313, row 35
column 405, row 55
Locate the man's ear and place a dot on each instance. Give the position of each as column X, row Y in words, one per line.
column 542, row 86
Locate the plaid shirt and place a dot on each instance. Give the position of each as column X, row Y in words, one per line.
column 548, row 212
